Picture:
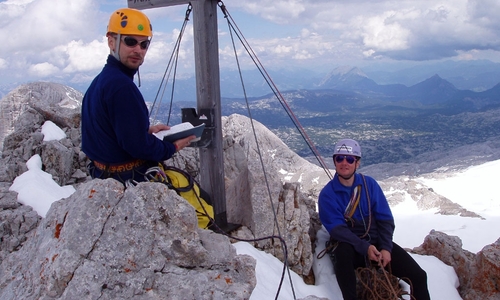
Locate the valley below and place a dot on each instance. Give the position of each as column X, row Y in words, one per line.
column 399, row 137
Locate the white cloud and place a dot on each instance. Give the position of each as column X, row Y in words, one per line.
column 43, row 70
column 282, row 49
column 12, row 9
column 381, row 33
column 160, row 52
column 280, row 12
column 85, row 57
column 393, row 29
column 45, row 23
column 41, row 36
column 68, row 35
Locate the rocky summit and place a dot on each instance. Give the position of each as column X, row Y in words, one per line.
column 105, row 242
column 110, row 242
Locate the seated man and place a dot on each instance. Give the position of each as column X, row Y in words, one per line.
column 354, row 210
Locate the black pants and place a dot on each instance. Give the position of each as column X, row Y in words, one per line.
column 347, row 260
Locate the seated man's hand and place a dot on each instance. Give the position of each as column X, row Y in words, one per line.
column 373, row 253
column 386, row 257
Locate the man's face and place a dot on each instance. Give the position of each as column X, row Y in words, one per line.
column 133, row 49
column 343, row 166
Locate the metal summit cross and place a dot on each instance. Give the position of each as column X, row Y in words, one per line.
column 206, row 49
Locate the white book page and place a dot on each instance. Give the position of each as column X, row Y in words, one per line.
column 174, row 129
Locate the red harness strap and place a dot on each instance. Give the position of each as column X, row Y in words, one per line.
column 119, row 168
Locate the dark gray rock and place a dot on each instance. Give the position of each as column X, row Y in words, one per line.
column 16, row 222
column 58, row 160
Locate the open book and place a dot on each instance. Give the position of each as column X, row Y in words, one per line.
column 181, row 131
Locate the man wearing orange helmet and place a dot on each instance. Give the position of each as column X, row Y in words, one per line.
column 116, row 133
column 356, row 214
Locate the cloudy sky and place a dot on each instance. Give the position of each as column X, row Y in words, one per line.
column 63, row 40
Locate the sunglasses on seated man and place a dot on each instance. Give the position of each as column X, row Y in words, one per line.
column 350, row 159
column 132, row 42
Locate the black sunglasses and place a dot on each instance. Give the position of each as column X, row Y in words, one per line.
column 132, row 42
column 340, row 158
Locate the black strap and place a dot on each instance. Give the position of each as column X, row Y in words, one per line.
column 185, row 174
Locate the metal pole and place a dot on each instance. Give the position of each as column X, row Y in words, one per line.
column 206, row 49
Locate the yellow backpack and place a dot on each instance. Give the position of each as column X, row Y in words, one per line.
column 185, row 186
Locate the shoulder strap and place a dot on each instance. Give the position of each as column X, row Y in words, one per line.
column 369, row 207
column 353, row 203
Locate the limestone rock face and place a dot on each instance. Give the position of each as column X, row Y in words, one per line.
column 486, row 282
column 278, row 159
column 259, row 197
column 53, row 101
column 478, row 274
column 16, row 222
column 107, row 242
column 250, row 202
column 63, row 159
column 260, row 200
column 22, row 114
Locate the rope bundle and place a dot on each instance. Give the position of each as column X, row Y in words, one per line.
column 378, row 284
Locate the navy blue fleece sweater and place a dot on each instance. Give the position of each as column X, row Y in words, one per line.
column 115, row 119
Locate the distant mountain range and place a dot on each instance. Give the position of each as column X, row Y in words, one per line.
column 349, row 86
column 477, row 75
column 395, row 122
column 434, row 91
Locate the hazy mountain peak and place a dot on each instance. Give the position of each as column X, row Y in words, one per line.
column 436, row 82
column 345, row 77
column 347, row 70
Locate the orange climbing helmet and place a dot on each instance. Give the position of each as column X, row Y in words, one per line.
column 129, row 21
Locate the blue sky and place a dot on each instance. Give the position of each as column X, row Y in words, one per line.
column 63, row 41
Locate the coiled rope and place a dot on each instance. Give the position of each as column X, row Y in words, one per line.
column 376, row 283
